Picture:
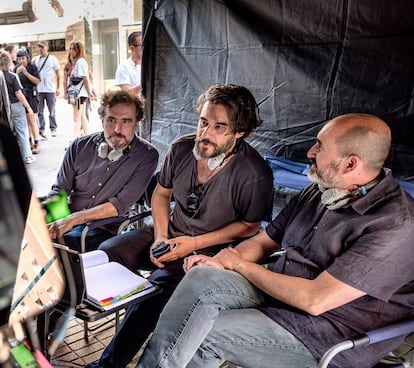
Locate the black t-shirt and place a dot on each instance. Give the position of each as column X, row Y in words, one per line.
column 13, row 85
column 242, row 190
column 369, row 246
column 26, row 83
column 29, row 88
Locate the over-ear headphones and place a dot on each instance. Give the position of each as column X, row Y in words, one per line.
column 216, row 161
column 334, row 198
column 113, row 155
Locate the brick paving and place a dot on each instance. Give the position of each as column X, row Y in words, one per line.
column 75, row 351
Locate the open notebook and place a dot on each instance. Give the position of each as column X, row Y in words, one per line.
column 110, row 284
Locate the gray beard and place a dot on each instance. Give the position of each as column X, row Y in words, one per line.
column 334, row 198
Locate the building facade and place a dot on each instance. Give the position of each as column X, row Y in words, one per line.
column 102, row 25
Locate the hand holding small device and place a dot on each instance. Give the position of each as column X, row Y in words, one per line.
column 160, row 250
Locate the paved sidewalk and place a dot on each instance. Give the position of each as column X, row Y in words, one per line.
column 75, row 351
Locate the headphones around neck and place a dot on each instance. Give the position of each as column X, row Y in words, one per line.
column 215, row 162
column 334, row 198
column 113, row 155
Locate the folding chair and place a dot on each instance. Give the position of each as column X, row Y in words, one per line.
column 70, row 260
column 74, row 303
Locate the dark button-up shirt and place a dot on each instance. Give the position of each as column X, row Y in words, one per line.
column 90, row 180
column 368, row 245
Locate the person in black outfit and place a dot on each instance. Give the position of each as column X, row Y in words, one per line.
column 29, row 78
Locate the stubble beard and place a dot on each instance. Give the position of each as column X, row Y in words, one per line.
column 118, row 144
column 203, row 151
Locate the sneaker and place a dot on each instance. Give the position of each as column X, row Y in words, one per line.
column 35, row 148
column 43, row 135
column 29, row 160
column 53, row 133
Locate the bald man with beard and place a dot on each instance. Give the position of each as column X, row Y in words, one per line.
column 347, row 269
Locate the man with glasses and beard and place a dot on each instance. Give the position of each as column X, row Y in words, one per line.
column 222, row 190
column 104, row 173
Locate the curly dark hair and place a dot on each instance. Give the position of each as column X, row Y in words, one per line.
column 239, row 103
column 112, row 98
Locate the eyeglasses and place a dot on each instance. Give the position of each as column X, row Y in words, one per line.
column 124, row 122
column 193, row 201
column 219, row 128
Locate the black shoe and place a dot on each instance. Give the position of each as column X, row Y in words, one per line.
column 43, row 135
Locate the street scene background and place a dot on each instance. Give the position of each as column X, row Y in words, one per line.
column 43, row 171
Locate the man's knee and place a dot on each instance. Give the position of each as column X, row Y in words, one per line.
column 210, row 283
column 112, row 246
column 129, row 249
column 204, row 279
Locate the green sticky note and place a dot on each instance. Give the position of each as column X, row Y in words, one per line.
column 24, row 357
column 57, row 207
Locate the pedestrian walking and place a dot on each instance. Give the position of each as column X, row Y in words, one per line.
column 48, row 66
column 80, row 85
column 18, row 103
column 29, row 78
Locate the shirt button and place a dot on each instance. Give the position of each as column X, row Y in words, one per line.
column 99, row 184
column 93, row 197
column 107, row 169
column 315, row 227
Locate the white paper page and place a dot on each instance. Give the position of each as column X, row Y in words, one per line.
column 93, row 258
column 111, row 280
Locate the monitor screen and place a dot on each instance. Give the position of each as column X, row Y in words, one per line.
column 14, row 198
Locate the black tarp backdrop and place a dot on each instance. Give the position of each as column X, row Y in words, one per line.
column 305, row 61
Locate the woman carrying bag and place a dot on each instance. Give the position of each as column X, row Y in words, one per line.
column 79, row 89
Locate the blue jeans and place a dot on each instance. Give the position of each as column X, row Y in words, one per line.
column 212, row 315
column 50, row 99
column 20, row 128
column 132, row 250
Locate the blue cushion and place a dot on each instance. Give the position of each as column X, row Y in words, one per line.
column 288, row 173
column 407, row 186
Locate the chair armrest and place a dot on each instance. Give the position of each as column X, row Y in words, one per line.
column 132, row 219
column 115, row 221
column 274, row 256
column 380, row 334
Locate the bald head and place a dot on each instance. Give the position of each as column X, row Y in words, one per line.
column 363, row 135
